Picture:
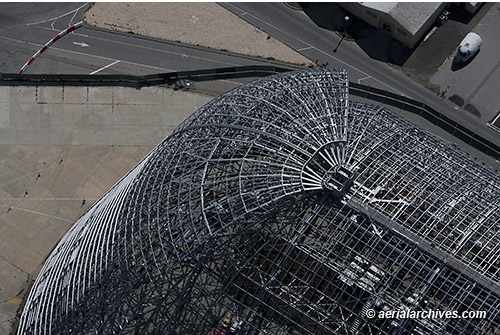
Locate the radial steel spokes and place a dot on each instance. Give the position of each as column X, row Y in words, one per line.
column 282, row 207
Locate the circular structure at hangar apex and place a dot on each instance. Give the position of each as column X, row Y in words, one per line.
column 282, row 207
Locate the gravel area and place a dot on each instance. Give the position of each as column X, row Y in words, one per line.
column 203, row 24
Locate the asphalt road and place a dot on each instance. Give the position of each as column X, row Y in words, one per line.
column 295, row 29
column 25, row 27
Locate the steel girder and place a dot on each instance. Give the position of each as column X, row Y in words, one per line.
column 282, row 208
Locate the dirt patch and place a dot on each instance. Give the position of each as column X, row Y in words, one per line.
column 200, row 24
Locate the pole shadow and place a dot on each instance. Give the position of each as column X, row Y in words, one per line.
column 376, row 43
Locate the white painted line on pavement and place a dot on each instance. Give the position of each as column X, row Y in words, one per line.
column 306, row 48
column 90, row 55
column 58, row 17
column 76, row 11
column 363, row 79
column 54, row 29
column 323, row 52
column 105, row 67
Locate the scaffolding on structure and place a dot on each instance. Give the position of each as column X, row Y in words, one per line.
column 282, row 207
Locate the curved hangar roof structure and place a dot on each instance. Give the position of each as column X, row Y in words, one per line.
column 283, row 208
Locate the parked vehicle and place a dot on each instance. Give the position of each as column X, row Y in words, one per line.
column 468, row 47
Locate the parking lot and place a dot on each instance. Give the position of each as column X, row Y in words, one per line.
column 474, row 87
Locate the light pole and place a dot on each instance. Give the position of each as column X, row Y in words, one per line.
column 346, row 18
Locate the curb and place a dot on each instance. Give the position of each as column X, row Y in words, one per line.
column 293, row 5
column 194, row 47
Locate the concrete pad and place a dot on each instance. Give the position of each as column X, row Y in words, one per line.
column 152, row 116
column 5, row 138
column 71, row 115
column 40, row 136
column 102, row 179
column 43, row 243
column 129, row 115
column 13, row 283
column 99, row 133
column 101, row 95
column 62, row 116
column 75, row 95
column 4, row 109
column 24, row 114
column 118, row 136
column 49, row 95
column 20, row 94
column 148, row 96
column 3, row 263
column 29, row 260
column 10, row 245
column 6, row 309
column 99, row 116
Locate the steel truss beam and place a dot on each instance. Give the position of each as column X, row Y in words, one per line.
column 282, row 207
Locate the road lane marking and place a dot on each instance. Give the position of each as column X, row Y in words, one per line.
column 82, row 44
column 54, row 29
column 140, row 46
column 73, row 17
column 163, row 51
column 306, row 48
column 319, row 50
column 58, row 17
column 90, row 55
column 359, row 80
column 105, row 67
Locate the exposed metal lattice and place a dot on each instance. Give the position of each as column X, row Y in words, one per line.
column 282, row 208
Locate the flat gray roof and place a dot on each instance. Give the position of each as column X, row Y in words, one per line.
column 411, row 15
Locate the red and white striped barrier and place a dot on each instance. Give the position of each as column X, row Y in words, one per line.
column 49, row 43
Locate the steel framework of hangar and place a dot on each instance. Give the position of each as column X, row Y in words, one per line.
column 282, row 207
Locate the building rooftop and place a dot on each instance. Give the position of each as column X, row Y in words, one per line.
column 411, row 15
